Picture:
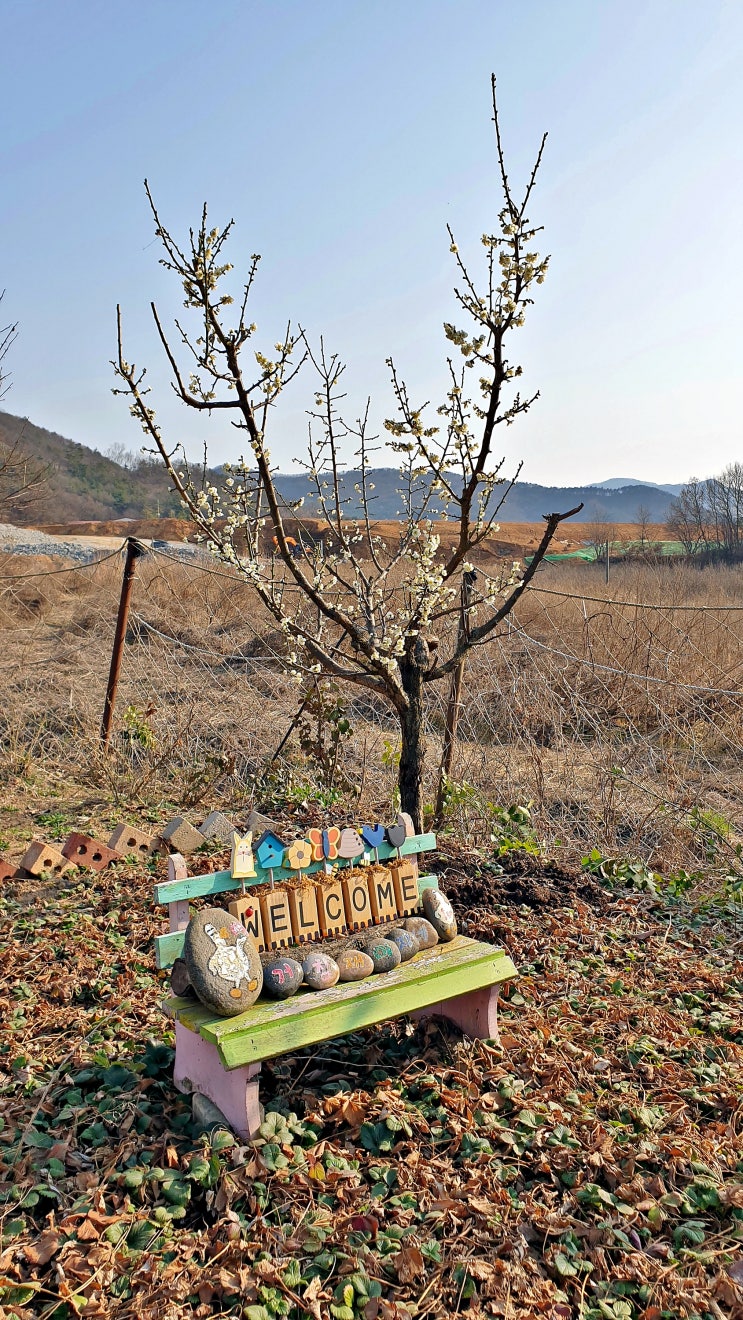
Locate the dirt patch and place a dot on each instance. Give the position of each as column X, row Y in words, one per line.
column 534, row 882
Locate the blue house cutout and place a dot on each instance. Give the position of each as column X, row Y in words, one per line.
column 269, row 850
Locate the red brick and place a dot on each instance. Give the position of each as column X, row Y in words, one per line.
column 90, row 853
column 7, row 869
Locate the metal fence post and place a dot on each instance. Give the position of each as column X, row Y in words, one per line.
column 134, row 550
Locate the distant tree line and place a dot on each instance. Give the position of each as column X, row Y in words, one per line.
column 707, row 516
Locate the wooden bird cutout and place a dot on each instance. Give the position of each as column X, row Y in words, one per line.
column 373, row 835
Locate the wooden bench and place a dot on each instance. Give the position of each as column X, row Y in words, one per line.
column 220, row 1057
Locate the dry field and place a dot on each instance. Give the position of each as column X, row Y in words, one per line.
column 512, row 539
column 614, row 709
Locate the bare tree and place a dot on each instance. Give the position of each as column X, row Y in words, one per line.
column 7, row 335
column 708, row 515
column 22, row 478
column 598, row 533
column 364, row 612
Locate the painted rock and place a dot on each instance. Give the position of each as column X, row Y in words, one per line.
column 384, row 955
column 425, row 933
column 406, row 943
column 354, row 965
column 440, row 913
column 282, row 978
column 320, row 971
column 222, row 963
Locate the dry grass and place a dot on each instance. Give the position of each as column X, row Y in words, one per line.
column 592, row 709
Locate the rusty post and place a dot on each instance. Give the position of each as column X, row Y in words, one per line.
column 134, row 550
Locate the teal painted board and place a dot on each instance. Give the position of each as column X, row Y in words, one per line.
column 198, row 886
column 271, row 1028
column 169, row 947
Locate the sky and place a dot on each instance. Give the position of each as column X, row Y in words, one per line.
column 343, row 136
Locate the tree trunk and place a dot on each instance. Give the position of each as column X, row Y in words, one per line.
column 455, row 698
column 410, row 773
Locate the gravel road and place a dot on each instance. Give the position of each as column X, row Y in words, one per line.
column 80, row 549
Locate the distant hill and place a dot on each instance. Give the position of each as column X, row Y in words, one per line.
column 614, row 483
column 84, row 485
column 527, row 502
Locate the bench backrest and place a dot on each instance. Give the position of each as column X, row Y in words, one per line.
column 177, row 893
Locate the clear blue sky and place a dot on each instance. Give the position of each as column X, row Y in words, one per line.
column 343, row 136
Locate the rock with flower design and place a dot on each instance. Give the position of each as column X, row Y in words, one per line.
column 223, row 965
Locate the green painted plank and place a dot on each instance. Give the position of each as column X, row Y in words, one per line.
column 169, row 947
column 270, row 1028
column 219, row 882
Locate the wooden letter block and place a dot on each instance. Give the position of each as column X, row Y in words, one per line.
column 405, row 878
column 41, row 857
column 382, row 893
column 125, row 839
column 91, row 853
column 248, row 911
column 330, row 909
column 303, row 908
column 356, row 900
column 277, row 924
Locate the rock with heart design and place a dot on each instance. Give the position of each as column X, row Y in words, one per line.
column 440, row 913
column 282, row 978
column 320, row 971
column 222, row 963
column 424, row 932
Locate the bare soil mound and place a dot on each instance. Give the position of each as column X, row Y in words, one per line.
column 528, row 881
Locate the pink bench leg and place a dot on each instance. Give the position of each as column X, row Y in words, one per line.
column 198, row 1067
column 476, row 1013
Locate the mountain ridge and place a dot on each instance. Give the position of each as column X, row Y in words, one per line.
column 86, row 485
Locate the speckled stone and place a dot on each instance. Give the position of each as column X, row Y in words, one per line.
column 282, row 978
column 223, row 965
column 440, row 913
column 406, row 943
column 425, row 933
column 384, row 954
column 320, row 971
column 354, row 965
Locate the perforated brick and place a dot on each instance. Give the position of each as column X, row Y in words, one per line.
column 181, row 835
column 7, row 869
column 86, row 851
column 126, row 839
column 41, row 858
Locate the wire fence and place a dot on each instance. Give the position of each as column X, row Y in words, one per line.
column 618, row 713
